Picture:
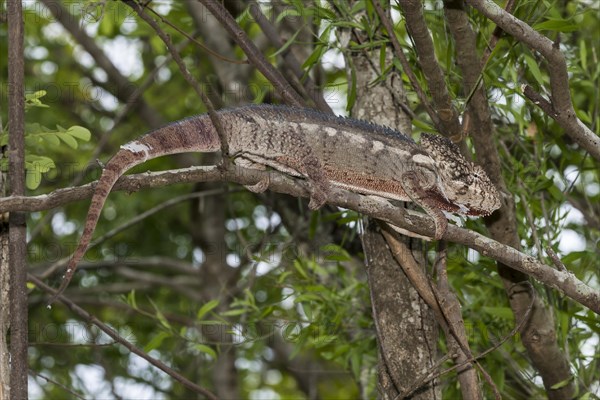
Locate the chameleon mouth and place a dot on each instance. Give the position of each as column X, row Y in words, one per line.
column 443, row 203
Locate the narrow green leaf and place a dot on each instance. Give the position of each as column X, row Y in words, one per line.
column 202, row 348
column 534, row 69
column 583, row 54
column 289, row 42
column 207, row 307
column 500, row 312
column 561, row 384
column 559, row 25
column 156, row 341
column 160, row 316
column 352, row 92
column 233, row 313
column 131, row 300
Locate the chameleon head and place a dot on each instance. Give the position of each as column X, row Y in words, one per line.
column 466, row 187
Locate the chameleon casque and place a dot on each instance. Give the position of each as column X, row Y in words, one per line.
column 324, row 149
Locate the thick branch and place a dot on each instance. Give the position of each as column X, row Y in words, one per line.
column 557, row 68
column 412, row 221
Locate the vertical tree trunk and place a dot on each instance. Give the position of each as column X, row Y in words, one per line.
column 4, row 308
column 17, row 230
column 406, row 328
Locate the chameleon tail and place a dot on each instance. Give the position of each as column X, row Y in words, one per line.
column 195, row 134
column 118, row 165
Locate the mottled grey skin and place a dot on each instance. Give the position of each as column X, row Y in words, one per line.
column 324, row 149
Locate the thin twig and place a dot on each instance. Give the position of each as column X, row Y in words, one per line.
column 405, row 64
column 56, row 383
column 442, row 102
column 555, row 259
column 288, row 57
column 81, row 313
column 288, row 94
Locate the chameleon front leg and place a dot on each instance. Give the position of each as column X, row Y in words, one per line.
column 319, row 185
column 414, row 184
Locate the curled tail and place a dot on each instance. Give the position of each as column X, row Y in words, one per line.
column 194, row 134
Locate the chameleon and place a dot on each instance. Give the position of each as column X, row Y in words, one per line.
column 324, row 149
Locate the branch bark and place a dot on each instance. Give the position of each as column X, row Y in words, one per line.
column 412, row 221
column 442, row 103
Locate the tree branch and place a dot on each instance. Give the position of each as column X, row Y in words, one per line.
column 371, row 206
column 417, row 27
column 288, row 94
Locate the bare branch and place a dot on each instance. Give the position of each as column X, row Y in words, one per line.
column 289, row 58
column 387, row 23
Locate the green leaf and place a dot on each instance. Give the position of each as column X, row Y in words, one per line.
column 534, row 69
column 131, row 300
column 559, row 25
column 314, row 57
column 561, row 384
column 352, row 92
column 33, row 178
column 233, row 313
column 422, row 125
column 500, row 312
column 80, row 133
column 202, row 348
column 36, row 95
column 156, row 341
column 52, row 139
column 207, row 307
column 68, row 139
column 160, row 316
column 289, row 42
column 40, row 163
column 583, row 54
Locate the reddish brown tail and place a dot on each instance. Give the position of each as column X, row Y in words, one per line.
column 194, row 134
column 118, row 165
